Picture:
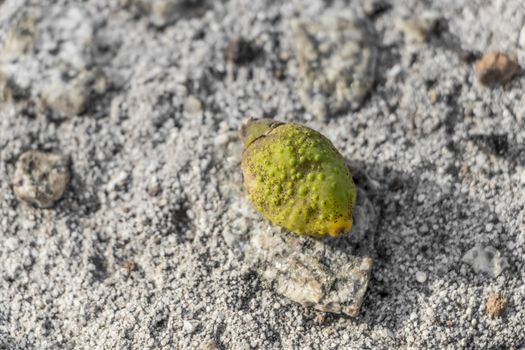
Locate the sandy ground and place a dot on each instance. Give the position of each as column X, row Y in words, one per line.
column 145, row 102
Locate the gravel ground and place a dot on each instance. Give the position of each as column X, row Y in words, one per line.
column 144, row 100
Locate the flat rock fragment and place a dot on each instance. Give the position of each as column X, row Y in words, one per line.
column 329, row 275
column 496, row 68
column 311, row 273
column 68, row 98
column 337, row 60
column 40, row 178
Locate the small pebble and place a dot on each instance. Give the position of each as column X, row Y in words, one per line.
column 485, row 259
column 433, row 96
column 345, row 337
column 495, row 305
column 496, row 68
column 424, row 229
column 129, row 266
column 193, row 105
column 496, row 144
column 421, row 276
column 374, row 8
column 40, row 178
column 417, row 28
column 117, row 181
column 209, row 345
column 189, row 327
column 71, row 98
column 241, row 51
column 153, row 189
column 469, row 57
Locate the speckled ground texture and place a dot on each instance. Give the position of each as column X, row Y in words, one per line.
column 146, row 102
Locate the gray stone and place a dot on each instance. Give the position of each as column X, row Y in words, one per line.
column 485, row 259
column 421, row 276
column 190, row 326
column 40, row 178
column 337, row 60
column 68, row 98
column 317, row 273
column 373, row 8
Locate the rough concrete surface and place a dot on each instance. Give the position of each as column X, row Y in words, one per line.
column 145, row 100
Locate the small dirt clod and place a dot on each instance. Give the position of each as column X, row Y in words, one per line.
column 496, row 305
column 40, row 178
column 496, row 68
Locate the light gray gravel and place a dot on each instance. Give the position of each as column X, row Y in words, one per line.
column 134, row 255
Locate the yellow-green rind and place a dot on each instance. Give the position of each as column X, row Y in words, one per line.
column 297, row 179
column 256, row 128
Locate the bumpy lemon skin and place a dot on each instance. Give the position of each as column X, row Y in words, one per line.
column 296, row 178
